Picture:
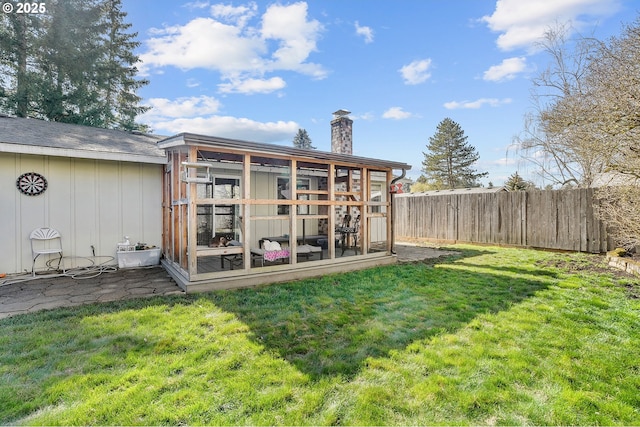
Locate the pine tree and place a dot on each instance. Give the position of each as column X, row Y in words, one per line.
column 70, row 49
column 516, row 183
column 74, row 64
column 302, row 140
column 449, row 160
column 117, row 70
column 19, row 37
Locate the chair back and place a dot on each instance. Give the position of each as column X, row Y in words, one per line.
column 356, row 224
column 45, row 240
column 44, row 234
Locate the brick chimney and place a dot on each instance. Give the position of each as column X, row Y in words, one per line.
column 342, row 133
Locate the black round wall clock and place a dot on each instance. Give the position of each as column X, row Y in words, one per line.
column 31, row 183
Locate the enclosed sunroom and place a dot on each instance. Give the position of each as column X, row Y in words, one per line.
column 239, row 213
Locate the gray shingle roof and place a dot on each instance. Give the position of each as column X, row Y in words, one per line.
column 40, row 137
column 34, row 136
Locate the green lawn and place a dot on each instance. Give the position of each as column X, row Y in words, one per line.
column 492, row 336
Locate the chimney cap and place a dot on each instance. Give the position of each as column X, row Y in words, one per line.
column 341, row 113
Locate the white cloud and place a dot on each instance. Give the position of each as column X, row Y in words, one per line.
column 493, row 102
column 364, row 116
column 507, row 69
column 522, row 23
column 365, row 32
column 505, row 161
column 238, row 16
column 396, row 113
column 226, row 42
column 198, row 115
column 180, row 107
column 297, row 38
column 249, row 86
column 204, row 43
column 230, row 127
column 196, row 5
column 416, row 72
column 193, row 83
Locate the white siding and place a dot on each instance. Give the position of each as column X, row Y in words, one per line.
column 91, row 202
column 378, row 229
column 264, row 186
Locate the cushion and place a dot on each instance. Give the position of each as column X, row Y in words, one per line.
column 271, row 246
column 275, row 254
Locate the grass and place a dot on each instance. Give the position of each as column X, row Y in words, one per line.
column 492, row 336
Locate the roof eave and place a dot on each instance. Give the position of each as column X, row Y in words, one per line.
column 264, row 148
column 81, row 154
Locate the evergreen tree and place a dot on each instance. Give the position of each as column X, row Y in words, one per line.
column 449, row 160
column 74, row 64
column 19, row 36
column 302, row 140
column 118, row 72
column 516, row 183
column 68, row 89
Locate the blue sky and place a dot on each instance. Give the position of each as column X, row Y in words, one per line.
column 260, row 70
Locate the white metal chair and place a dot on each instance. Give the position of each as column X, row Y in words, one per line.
column 45, row 241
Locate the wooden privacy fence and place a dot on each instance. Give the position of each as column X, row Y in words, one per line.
column 563, row 219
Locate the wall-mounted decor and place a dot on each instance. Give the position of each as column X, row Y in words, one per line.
column 31, row 183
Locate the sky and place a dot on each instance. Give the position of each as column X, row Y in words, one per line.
column 261, row 70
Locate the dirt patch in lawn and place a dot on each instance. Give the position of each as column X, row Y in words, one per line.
column 588, row 263
column 599, row 264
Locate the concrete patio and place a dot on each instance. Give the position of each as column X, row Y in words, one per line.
column 43, row 293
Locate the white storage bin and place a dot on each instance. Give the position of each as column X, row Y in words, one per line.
column 135, row 258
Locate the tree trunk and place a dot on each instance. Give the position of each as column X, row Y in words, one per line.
column 22, row 86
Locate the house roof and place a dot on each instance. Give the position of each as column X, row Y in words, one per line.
column 40, row 137
column 472, row 190
column 277, row 150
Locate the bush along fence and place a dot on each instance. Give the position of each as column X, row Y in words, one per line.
column 563, row 219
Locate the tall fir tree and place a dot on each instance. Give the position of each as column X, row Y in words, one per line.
column 449, row 160
column 118, row 70
column 68, row 89
column 302, row 140
column 73, row 64
column 19, row 43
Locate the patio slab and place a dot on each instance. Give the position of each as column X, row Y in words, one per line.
column 63, row 291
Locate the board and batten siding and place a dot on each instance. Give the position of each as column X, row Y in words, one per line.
column 90, row 202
